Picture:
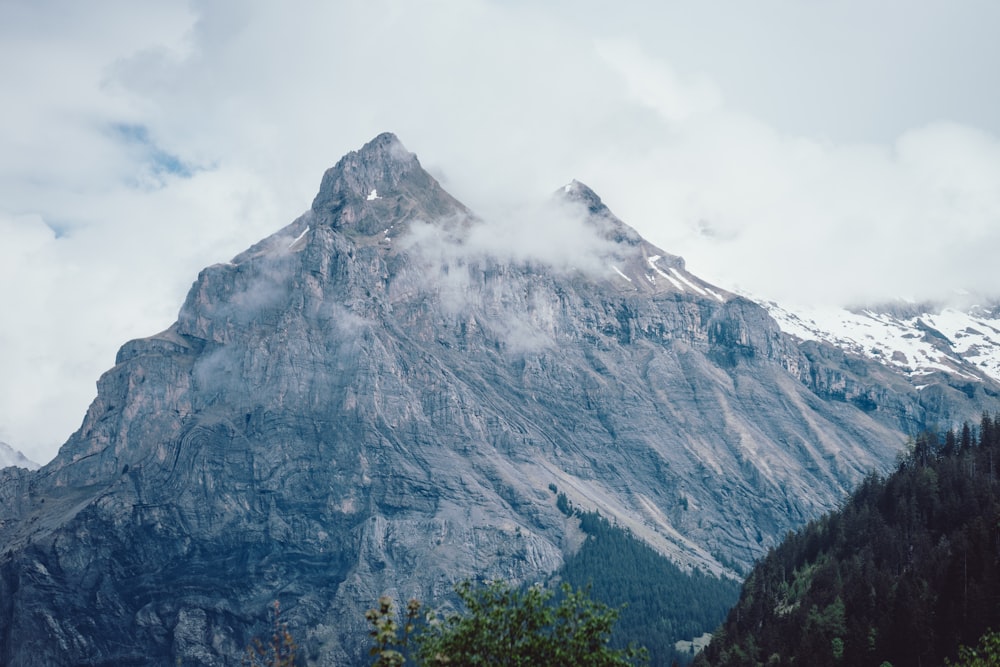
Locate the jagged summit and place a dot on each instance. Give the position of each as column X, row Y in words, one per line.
column 371, row 188
column 582, row 193
column 642, row 265
column 610, row 226
column 388, row 144
column 382, row 161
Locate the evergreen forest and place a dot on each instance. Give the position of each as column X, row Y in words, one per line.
column 903, row 573
column 659, row 603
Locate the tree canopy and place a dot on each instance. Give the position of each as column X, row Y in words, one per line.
column 903, row 573
column 506, row 626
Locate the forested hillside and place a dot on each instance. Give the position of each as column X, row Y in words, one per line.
column 903, row 573
column 663, row 604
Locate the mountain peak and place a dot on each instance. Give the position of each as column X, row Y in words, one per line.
column 611, row 227
column 387, row 150
column 379, row 186
column 578, row 192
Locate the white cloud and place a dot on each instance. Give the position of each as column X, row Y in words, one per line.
column 655, row 84
column 689, row 128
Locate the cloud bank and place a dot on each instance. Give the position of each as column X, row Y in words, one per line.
column 149, row 139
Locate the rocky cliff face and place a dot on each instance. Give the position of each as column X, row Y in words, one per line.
column 374, row 400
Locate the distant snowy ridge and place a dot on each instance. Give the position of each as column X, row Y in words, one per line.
column 11, row 457
column 961, row 343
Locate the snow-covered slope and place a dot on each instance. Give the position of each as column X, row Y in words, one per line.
column 11, row 457
column 917, row 340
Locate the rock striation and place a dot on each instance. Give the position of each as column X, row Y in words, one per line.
column 372, row 401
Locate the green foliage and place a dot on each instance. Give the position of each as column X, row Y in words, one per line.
column 986, row 654
column 278, row 652
column 385, row 632
column 507, row 626
column 837, row 644
column 660, row 603
column 564, row 505
column 905, row 571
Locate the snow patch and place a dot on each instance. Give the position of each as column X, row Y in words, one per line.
column 373, row 195
column 718, row 296
column 967, row 341
column 299, row 237
column 618, row 271
column 687, row 282
column 652, row 264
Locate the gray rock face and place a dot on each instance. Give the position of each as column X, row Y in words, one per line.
column 368, row 403
column 349, row 197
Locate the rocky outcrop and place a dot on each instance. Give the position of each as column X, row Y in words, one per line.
column 369, row 403
column 383, row 185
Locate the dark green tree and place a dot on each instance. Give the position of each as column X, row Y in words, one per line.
column 660, row 603
column 950, row 443
column 966, row 442
column 904, row 572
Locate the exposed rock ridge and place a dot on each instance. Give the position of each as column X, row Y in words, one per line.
column 370, row 190
column 641, row 264
column 601, row 216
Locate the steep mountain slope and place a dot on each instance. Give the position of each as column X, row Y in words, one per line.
column 376, row 398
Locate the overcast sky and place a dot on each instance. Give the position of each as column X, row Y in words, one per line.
column 819, row 151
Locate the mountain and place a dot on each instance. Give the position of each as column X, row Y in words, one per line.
column 926, row 342
column 904, row 572
column 11, row 457
column 380, row 397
